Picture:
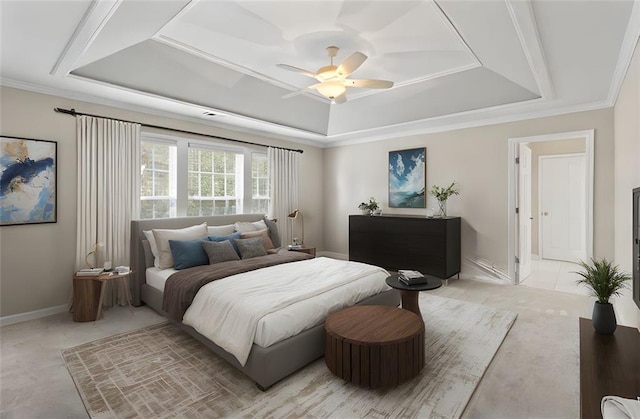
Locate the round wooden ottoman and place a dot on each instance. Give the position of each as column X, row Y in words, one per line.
column 374, row 346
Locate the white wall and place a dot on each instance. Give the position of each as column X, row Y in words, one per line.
column 37, row 261
column 627, row 177
column 476, row 158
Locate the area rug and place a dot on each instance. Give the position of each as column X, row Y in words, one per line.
column 160, row 371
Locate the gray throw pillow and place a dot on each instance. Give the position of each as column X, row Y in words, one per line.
column 219, row 251
column 251, row 248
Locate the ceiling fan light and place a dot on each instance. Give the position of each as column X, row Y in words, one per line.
column 331, row 89
column 326, row 73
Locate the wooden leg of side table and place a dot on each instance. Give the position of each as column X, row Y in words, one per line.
column 127, row 295
column 102, row 288
column 410, row 301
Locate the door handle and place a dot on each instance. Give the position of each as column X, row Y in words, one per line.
column 545, row 213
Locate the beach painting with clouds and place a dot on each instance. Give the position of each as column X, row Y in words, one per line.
column 27, row 181
column 407, row 178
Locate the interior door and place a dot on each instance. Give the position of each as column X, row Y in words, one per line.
column 563, row 207
column 524, row 212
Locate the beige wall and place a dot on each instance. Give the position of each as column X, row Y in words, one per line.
column 37, row 261
column 476, row 158
column 546, row 148
column 627, row 177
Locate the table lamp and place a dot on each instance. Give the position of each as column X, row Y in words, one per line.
column 295, row 214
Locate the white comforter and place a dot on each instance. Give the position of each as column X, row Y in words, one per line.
column 227, row 311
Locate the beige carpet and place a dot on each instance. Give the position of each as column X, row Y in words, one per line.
column 159, row 371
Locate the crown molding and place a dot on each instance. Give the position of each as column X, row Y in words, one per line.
column 524, row 22
column 295, row 135
column 318, row 140
column 413, row 128
column 93, row 21
column 629, row 44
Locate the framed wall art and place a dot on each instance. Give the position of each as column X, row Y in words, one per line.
column 28, row 181
column 407, row 178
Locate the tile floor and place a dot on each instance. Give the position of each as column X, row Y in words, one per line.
column 554, row 275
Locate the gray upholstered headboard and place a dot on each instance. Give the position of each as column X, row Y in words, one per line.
column 138, row 262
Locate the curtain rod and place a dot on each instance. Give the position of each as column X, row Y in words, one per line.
column 73, row 112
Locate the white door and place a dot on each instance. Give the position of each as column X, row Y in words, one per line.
column 562, row 207
column 524, row 212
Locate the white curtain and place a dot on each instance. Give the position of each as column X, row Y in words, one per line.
column 283, row 184
column 108, row 194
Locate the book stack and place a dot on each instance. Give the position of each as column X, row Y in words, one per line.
column 411, row 277
column 90, row 272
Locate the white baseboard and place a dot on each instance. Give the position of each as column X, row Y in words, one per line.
column 31, row 315
column 334, row 255
column 483, row 270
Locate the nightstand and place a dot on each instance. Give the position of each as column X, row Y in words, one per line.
column 304, row 249
column 114, row 276
column 88, row 294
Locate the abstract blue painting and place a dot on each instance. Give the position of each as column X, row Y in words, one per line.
column 28, row 181
column 407, row 178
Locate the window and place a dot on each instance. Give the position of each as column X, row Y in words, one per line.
column 259, row 184
column 215, row 182
column 158, row 180
column 181, row 177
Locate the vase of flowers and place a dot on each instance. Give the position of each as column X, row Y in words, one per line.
column 368, row 208
column 442, row 194
column 604, row 280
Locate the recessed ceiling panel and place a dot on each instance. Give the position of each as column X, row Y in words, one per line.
column 405, row 41
column 158, row 69
column 580, row 49
column 469, row 90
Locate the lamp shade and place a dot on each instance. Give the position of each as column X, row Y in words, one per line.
column 295, row 214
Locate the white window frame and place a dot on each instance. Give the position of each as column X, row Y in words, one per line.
column 182, row 167
column 172, row 180
column 260, row 197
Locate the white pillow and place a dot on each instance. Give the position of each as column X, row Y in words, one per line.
column 221, row 230
column 245, row 227
column 163, row 236
column 152, row 244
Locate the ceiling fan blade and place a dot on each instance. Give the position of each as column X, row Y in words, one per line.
column 296, row 69
column 340, row 99
column 369, row 84
column 299, row 92
column 351, row 64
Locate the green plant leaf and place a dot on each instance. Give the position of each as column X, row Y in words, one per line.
column 603, row 279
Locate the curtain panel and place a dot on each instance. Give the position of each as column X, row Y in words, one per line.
column 108, row 194
column 283, row 184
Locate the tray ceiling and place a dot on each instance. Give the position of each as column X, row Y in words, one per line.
column 452, row 62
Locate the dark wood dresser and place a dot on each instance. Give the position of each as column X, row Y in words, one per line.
column 428, row 245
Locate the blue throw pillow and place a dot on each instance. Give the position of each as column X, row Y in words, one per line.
column 188, row 253
column 230, row 237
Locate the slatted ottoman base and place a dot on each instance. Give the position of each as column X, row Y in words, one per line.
column 374, row 346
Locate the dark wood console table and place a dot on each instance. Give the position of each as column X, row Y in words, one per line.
column 428, row 245
column 609, row 366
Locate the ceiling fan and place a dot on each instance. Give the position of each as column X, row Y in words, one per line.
column 333, row 81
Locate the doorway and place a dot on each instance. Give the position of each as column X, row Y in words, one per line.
column 550, row 208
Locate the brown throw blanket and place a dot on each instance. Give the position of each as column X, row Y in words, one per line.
column 181, row 287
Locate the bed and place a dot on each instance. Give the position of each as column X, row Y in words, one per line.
column 264, row 365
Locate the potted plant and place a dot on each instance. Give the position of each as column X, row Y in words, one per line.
column 442, row 194
column 368, row 208
column 604, row 280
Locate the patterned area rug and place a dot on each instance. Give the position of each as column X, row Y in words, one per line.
column 160, row 371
